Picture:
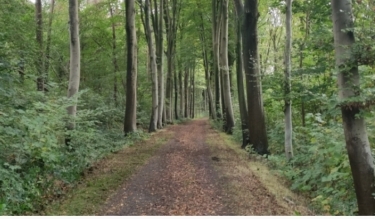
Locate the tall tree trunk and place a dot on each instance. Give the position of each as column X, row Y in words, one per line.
column 229, row 116
column 131, row 76
column 192, row 102
column 154, row 76
column 186, row 86
column 301, row 78
column 240, row 77
column 302, row 46
column 182, row 98
column 158, row 28
column 287, row 84
column 206, row 65
column 171, row 33
column 357, row 143
column 171, row 100
column 223, row 108
column 256, row 118
column 114, row 56
column 75, row 61
column 215, row 41
column 39, row 40
column 176, row 94
column 48, row 46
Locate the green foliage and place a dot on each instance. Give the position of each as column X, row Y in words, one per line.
column 320, row 166
column 34, row 156
column 217, row 124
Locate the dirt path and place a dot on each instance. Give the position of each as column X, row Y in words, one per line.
column 185, row 178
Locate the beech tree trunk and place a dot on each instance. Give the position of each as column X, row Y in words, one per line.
column 240, row 77
column 224, row 66
column 256, row 118
column 153, row 68
column 114, row 57
column 206, row 65
column 182, row 98
column 287, row 84
column 211, row 107
column 176, row 115
column 39, row 40
column 192, row 99
column 131, row 76
column 357, row 143
column 215, row 56
column 302, row 46
column 186, row 95
column 171, row 17
column 48, row 46
column 75, row 59
column 158, row 28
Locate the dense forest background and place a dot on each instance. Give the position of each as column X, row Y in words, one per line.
column 202, row 72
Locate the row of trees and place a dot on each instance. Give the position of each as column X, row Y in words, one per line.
column 251, row 109
column 181, row 58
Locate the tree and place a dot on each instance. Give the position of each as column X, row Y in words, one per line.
column 75, row 59
column 206, row 65
column 157, row 18
column 287, row 84
column 357, row 143
column 239, row 73
column 215, row 56
column 48, row 47
column 114, row 54
column 171, row 18
column 224, row 69
column 131, row 76
column 256, row 124
column 152, row 57
column 39, row 39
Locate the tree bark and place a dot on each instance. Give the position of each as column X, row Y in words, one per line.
column 114, row 57
column 357, row 143
column 39, row 40
column 171, row 33
column 256, row 118
column 153, row 68
column 215, row 56
column 192, row 102
column 302, row 46
column 131, row 76
column 158, row 28
column 176, row 116
column 229, row 116
column 182, row 98
column 240, row 77
column 186, row 95
column 206, row 65
column 287, row 84
column 75, row 61
column 48, row 46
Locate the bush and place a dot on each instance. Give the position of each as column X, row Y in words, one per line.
column 320, row 166
column 35, row 163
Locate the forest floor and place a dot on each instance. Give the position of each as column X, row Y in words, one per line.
column 186, row 169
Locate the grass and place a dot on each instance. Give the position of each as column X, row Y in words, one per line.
column 105, row 177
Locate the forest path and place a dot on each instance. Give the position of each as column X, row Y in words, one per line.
column 196, row 173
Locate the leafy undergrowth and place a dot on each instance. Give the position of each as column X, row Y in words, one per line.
column 36, row 166
column 104, row 177
column 320, row 167
column 253, row 189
